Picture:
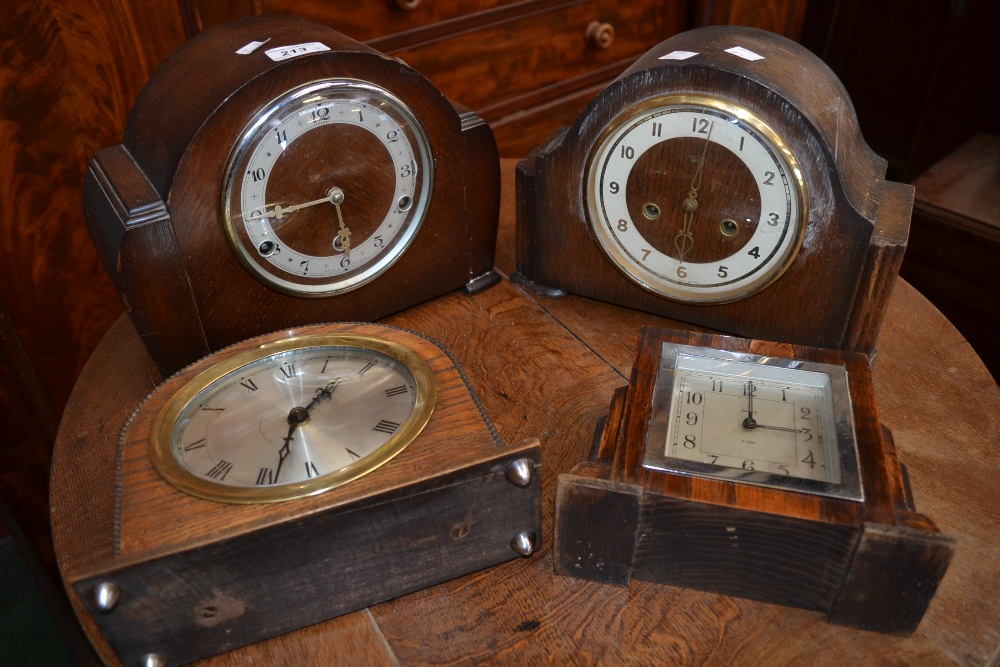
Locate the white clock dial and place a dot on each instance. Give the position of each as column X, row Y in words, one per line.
column 695, row 199
column 327, row 188
column 753, row 417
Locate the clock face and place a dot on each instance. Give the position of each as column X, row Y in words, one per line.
column 293, row 418
column 695, row 199
column 762, row 420
column 327, row 187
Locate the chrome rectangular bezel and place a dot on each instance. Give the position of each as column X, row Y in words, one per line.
column 844, row 450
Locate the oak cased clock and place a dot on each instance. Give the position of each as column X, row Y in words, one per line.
column 276, row 173
column 753, row 469
column 298, row 476
column 721, row 180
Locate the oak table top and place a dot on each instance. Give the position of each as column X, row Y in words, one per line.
column 547, row 367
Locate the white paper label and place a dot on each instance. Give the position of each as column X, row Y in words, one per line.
column 746, row 54
column 286, row 52
column 678, row 55
column 252, row 46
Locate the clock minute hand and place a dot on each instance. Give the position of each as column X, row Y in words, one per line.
column 780, row 428
column 684, row 239
column 299, row 415
column 296, row 416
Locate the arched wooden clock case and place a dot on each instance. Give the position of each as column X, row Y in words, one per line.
column 833, row 290
column 154, row 203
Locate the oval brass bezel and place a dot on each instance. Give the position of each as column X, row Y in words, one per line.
column 161, row 450
column 646, row 279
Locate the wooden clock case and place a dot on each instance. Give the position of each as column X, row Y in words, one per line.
column 873, row 564
column 197, row 577
column 835, row 291
column 152, row 203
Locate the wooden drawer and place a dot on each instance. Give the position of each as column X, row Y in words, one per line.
column 492, row 68
column 364, row 21
column 518, row 133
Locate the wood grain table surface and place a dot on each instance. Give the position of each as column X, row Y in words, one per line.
column 547, row 367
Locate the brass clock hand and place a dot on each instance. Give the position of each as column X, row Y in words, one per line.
column 279, row 211
column 344, row 234
column 684, row 240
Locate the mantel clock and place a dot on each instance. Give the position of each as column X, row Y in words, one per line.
column 753, row 469
column 721, row 180
column 276, row 173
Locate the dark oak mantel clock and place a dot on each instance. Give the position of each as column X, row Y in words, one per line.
column 276, row 173
column 296, row 477
column 721, row 180
column 757, row 470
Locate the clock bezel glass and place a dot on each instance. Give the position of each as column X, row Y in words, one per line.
column 161, row 443
column 843, row 451
column 255, row 134
column 677, row 288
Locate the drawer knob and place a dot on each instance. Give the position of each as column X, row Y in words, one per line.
column 600, row 35
column 407, row 5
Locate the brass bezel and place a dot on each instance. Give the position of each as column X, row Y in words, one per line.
column 644, row 278
column 173, row 471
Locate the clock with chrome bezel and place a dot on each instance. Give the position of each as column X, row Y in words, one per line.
column 301, row 178
column 755, row 419
column 328, row 187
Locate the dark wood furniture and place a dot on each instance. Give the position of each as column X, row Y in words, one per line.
column 549, row 367
column 954, row 254
column 70, row 72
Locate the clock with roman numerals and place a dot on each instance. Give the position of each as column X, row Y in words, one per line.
column 298, row 476
column 292, row 417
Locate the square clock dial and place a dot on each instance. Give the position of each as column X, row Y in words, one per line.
column 755, row 419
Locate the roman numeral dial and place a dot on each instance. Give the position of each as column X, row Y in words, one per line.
column 303, row 415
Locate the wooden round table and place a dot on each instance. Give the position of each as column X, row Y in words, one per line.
column 547, row 368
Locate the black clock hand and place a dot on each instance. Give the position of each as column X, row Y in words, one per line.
column 322, row 394
column 295, row 417
column 779, row 428
column 750, row 422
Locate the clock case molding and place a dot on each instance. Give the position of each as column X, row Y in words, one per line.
column 874, row 564
column 152, row 203
column 834, row 294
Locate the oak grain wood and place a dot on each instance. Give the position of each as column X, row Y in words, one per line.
column 549, row 367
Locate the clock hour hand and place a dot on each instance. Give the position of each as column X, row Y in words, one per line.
column 344, row 233
column 750, row 422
